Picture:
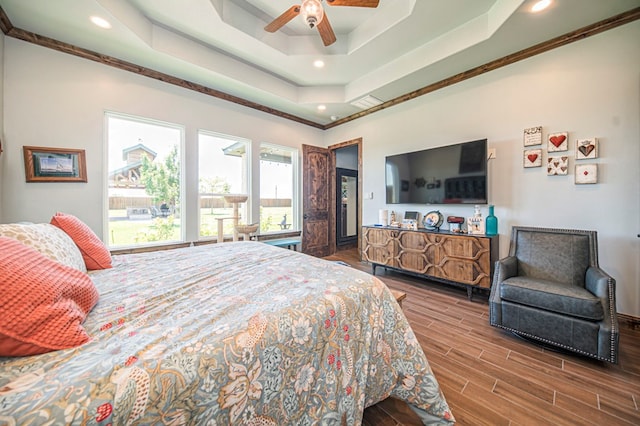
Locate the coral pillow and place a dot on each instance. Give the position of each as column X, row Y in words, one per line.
column 95, row 253
column 42, row 303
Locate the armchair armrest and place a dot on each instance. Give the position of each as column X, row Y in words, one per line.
column 505, row 268
column 603, row 286
column 597, row 282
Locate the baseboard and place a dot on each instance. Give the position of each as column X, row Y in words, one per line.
column 628, row 321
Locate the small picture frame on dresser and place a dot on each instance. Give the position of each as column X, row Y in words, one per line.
column 475, row 225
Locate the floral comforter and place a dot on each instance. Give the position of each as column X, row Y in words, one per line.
column 234, row 333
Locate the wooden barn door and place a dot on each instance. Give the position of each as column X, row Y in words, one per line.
column 316, row 220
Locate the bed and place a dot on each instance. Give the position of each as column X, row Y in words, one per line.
column 234, row 333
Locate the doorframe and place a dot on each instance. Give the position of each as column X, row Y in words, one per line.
column 332, row 190
column 347, row 241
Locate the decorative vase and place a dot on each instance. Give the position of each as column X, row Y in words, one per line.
column 491, row 223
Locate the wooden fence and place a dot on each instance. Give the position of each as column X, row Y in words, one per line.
column 121, row 203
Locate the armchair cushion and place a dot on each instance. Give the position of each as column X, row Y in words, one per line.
column 551, row 296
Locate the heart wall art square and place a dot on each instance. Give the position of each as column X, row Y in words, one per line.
column 557, row 166
column 532, row 158
column 586, row 173
column 533, row 136
column 558, row 142
column 586, row 149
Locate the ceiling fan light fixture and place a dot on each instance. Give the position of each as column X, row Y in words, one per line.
column 312, row 12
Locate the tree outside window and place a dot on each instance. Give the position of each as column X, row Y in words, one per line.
column 144, row 186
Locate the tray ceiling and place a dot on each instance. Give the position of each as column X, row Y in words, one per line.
column 386, row 52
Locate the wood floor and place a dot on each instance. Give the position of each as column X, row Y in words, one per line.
column 490, row 377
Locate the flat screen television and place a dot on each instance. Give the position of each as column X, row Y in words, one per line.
column 452, row 174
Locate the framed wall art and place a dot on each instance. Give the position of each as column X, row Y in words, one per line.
column 586, row 148
column 557, row 166
column 586, row 173
column 44, row 164
column 533, row 136
column 558, row 142
column 532, row 158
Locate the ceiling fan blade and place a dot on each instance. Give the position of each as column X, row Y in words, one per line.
column 326, row 32
column 355, row 3
column 281, row 20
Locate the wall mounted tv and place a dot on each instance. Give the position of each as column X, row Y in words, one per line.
column 452, row 174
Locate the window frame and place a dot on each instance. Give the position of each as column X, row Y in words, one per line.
column 295, row 189
column 181, row 197
column 247, row 178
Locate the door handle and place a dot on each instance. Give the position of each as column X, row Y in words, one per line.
column 305, row 216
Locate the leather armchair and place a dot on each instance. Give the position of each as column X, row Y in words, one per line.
column 550, row 289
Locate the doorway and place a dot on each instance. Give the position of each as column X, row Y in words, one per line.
column 347, row 190
column 319, row 195
column 346, row 207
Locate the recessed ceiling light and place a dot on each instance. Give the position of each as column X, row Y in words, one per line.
column 322, row 107
column 540, row 5
column 318, row 63
column 101, row 22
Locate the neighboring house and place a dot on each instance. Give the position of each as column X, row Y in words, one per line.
column 129, row 175
column 126, row 191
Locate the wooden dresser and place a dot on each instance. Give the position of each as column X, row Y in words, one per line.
column 459, row 259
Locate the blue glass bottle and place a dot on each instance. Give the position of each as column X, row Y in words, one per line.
column 491, row 223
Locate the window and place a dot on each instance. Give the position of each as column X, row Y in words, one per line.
column 278, row 188
column 144, row 181
column 223, row 169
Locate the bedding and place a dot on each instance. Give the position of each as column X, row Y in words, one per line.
column 234, row 333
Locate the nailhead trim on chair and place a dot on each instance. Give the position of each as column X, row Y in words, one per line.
column 613, row 356
column 569, row 348
column 614, row 330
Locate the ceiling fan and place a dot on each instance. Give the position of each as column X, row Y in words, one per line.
column 314, row 16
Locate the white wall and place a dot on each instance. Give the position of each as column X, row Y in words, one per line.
column 2, row 138
column 59, row 100
column 589, row 89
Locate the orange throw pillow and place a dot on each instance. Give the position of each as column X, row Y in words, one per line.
column 95, row 253
column 42, row 303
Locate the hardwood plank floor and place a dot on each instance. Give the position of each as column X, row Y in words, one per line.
column 491, row 377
